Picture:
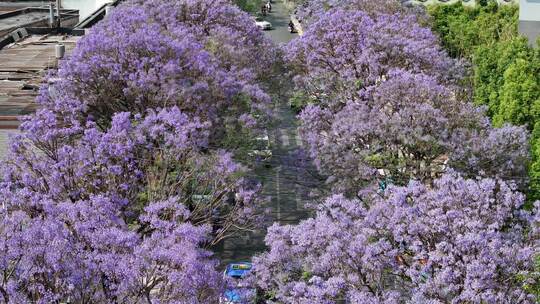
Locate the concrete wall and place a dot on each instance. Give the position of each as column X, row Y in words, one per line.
column 529, row 19
column 85, row 7
column 531, row 30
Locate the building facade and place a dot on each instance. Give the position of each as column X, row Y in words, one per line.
column 529, row 19
column 85, row 7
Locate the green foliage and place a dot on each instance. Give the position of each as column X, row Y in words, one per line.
column 491, row 63
column 299, row 101
column 534, row 170
column 463, row 29
column 531, row 282
column 251, row 6
column 519, row 94
column 306, row 275
column 506, row 70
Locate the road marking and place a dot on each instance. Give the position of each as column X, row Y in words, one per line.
column 278, row 169
column 284, row 138
column 298, row 198
column 297, row 138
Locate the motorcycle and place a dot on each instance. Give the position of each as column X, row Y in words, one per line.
column 292, row 30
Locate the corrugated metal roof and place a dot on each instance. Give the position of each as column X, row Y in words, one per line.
column 23, row 66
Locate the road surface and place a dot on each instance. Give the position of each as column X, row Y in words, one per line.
column 288, row 182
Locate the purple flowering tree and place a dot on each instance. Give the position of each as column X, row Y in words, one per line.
column 161, row 54
column 82, row 251
column 115, row 190
column 138, row 160
column 347, row 51
column 122, row 214
column 382, row 104
column 461, row 241
column 409, row 128
column 310, row 11
column 227, row 32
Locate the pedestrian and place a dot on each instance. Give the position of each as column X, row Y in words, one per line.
column 263, row 10
column 269, row 6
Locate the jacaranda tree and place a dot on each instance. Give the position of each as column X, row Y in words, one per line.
column 384, row 104
column 163, row 54
column 460, row 241
column 117, row 187
column 408, row 128
column 347, row 51
column 505, row 68
column 121, row 214
column 311, row 10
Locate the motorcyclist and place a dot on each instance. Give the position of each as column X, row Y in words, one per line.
column 291, row 26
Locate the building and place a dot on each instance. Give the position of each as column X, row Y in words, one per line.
column 29, row 35
column 529, row 19
column 85, row 7
column 23, row 67
column 14, row 16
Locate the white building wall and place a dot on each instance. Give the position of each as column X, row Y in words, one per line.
column 85, row 7
column 529, row 19
column 529, row 10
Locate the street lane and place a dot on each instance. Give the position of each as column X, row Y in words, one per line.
column 289, row 181
column 279, row 18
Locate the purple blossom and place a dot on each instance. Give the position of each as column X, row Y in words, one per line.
column 205, row 57
column 383, row 106
column 460, row 241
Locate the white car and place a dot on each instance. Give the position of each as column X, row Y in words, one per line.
column 261, row 149
column 262, row 24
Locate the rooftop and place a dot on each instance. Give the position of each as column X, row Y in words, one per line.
column 9, row 6
column 13, row 17
column 23, row 66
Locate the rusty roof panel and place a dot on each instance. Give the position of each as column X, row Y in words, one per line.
column 23, row 67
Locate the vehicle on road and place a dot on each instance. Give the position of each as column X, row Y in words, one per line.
column 262, row 24
column 239, row 293
column 292, row 29
column 261, row 149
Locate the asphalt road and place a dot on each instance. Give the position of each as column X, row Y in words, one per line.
column 279, row 18
column 288, row 182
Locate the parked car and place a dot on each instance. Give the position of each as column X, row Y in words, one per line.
column 239, row 293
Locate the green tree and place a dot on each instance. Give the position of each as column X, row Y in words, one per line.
column 534, row 170
column 490, row 62
column 519, row 95
column 463, row 29
column 251, row 6
column 505, row 69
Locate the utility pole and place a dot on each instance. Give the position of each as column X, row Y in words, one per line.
column 51, row 15
column 59, row 20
